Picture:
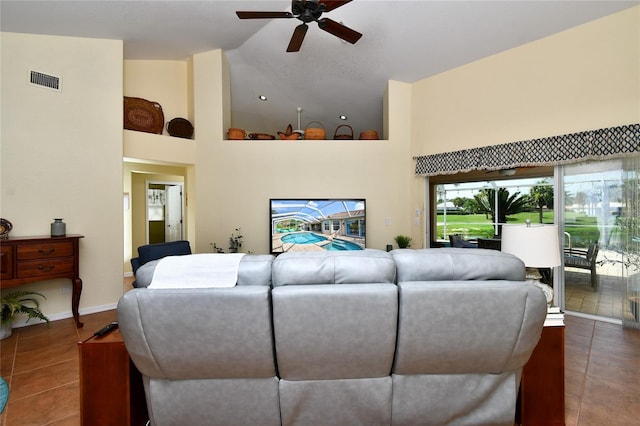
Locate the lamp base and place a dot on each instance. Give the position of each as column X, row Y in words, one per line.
column 534, row 277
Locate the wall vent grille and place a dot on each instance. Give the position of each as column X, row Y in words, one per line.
column 45, row 80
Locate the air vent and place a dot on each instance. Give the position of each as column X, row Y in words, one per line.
column 45, row 80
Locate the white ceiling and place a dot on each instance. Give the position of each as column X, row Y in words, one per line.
column 402, row 40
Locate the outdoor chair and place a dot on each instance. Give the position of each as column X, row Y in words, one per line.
column 583, row 259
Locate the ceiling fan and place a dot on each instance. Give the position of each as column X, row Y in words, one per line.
column 308, row 11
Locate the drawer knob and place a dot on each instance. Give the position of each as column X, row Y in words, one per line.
column 43, row 251
column 46, row 268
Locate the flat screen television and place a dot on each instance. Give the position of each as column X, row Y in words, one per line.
column 314, row 224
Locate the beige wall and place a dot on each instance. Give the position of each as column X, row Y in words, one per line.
column 584, row 78
column 235, row 179
column 165, row 82
column 61, row 156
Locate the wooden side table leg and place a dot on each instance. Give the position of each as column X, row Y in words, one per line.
column 75, row 301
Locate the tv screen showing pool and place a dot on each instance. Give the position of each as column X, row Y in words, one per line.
column 317, row 224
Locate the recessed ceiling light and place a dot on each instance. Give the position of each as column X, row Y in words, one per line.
column 343, row 117
column 262, row 97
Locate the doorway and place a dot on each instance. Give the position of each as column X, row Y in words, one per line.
column 164, row 211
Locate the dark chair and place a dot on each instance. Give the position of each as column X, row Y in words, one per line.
column 150, row 252
column 457, row 241
column 490, row 243
column 583, row 259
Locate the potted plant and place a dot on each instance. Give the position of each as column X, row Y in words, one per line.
column 403, row 241
column 235, row 241
column 19, row 302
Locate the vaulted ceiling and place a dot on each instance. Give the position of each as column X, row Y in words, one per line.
column 402, row 40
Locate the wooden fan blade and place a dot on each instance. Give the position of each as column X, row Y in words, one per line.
column 333, row 4
column 263, row 15
column 339, row 30
column 297, row 38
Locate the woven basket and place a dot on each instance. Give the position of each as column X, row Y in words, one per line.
column 236, row 134
column 143, row 115
column 315, row 133
column 180, row 127
column 369, row 135
column 261, row 136
column 344, row 136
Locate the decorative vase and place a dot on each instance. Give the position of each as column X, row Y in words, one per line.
column 5, row 330
column 58, row 228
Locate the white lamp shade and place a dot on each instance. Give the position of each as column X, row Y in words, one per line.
column 536, row 245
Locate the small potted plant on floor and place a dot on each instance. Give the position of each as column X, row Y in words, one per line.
column 403, row 241
column 19, row 302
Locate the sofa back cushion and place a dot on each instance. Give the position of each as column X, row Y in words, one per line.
column 334, row 267
column 462, row 327
column 327, row 332
column 446, row 264
column 226, row 334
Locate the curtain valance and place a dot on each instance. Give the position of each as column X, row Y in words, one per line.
column 571, row 148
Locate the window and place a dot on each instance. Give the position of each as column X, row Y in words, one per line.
column 478, row 209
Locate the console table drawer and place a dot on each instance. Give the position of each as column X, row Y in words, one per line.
column 35, row 268
column 45, row 250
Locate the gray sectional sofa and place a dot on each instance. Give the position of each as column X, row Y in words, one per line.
column 410, row 337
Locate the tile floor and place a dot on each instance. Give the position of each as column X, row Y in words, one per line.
column 609, row 300
column 602, row 372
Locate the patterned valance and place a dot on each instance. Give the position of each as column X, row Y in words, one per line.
column 575, row 147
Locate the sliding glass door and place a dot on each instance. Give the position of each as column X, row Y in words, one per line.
column 601, row 238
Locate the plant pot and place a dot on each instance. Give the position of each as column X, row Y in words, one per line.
column 5, row 331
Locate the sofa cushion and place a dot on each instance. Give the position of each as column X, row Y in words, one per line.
column 223, row 333
column 335, row 332
column 446, row 264
column 329, row 267
column 254, row 269
column 462, row 327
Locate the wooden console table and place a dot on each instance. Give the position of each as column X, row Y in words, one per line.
column 29, row 259
column 111, row 389
column 541, row 399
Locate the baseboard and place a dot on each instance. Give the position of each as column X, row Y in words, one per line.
column 128, row 274
column 66, row 315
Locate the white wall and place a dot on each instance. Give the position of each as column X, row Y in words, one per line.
column 61, row 156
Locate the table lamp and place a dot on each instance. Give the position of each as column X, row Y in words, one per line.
column 537, row 246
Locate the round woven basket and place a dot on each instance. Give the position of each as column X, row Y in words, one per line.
column 315, row 133
column 369, row 135
column 343, row 136
column 143, row 115
column 236, row 134
column 180, row 127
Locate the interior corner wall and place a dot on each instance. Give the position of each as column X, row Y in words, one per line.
column 584, row 78
column 61, row 156
column 164, row 82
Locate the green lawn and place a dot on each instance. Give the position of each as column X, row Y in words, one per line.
column 480, row 226
column 583, row 229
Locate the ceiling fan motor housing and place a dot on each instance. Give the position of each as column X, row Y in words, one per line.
column 307, row 11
